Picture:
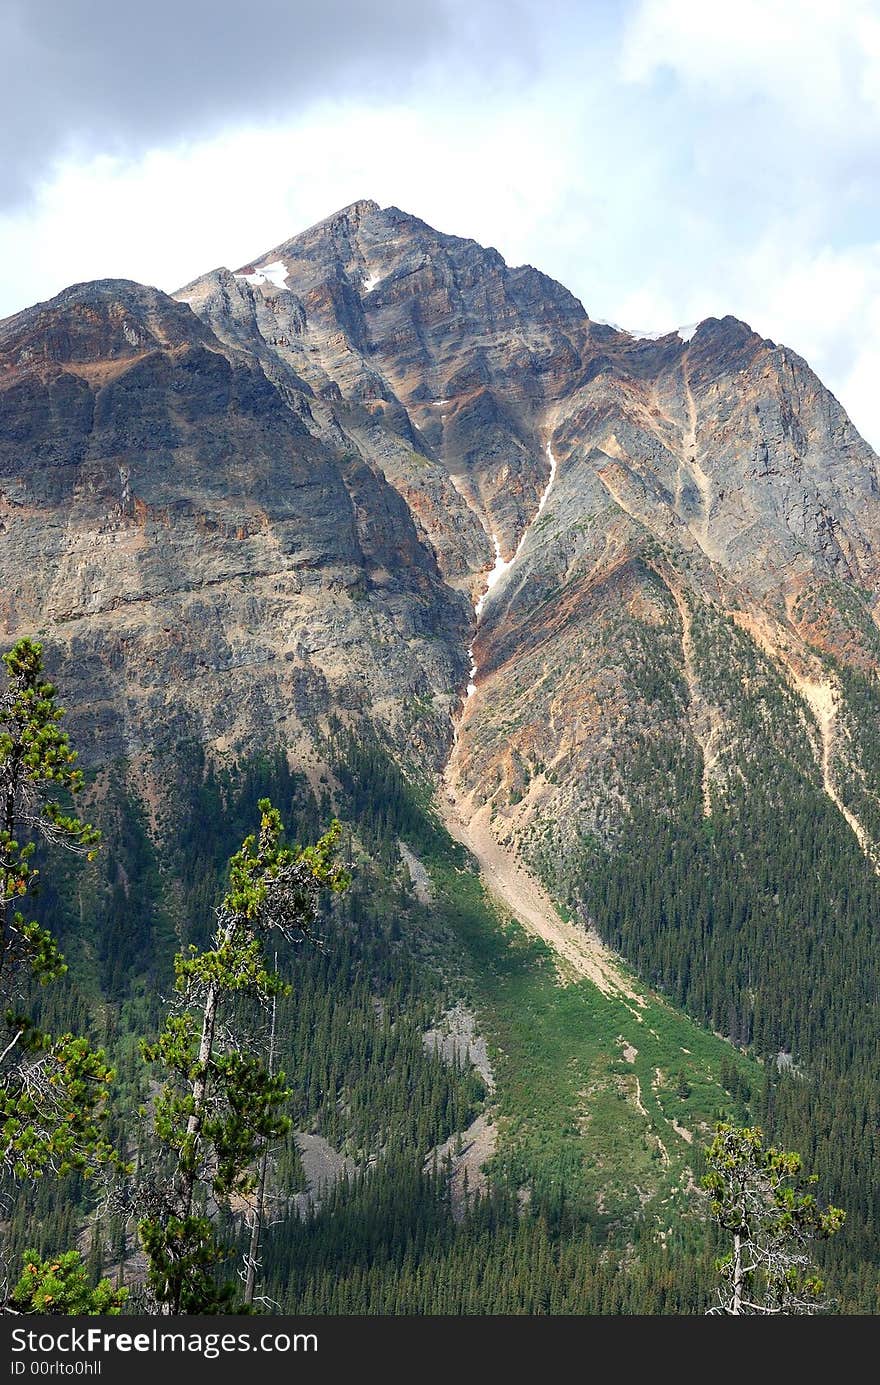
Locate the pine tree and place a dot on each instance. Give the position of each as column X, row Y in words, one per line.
column 53, row 1089
column 62, row 1286
column 759, row 1195
column 220, row 1105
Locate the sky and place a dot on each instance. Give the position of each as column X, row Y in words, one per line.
column 667, row 160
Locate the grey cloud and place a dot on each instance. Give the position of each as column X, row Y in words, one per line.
column 105, row 76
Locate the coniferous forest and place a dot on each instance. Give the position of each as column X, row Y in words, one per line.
column 720, row 914
column 389, row 1233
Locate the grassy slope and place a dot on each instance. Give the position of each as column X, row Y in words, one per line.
column 569, row 1117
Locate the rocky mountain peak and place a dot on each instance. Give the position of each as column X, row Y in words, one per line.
column 312, row 467
column 350, row 216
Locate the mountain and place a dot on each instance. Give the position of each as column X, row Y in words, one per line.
column 613, row 598
column 213, row 482
column 713, row 479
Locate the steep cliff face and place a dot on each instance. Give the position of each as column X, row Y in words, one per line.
column 199, row 564
column 710, row 483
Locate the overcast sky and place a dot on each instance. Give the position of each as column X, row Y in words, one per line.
column 666, row 159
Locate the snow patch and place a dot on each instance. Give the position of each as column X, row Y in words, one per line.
column 494, row 576
column 501, row 567
column 370, row 282
column 685, row 332
column 639, row 335
column 549, row 486
column 472, row 673
column 274, row 273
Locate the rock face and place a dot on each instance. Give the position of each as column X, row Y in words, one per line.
column 703, row 489
column 279, row 494
column 454, row 355
column 198, row 563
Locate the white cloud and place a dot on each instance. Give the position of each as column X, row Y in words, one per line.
column 819, row 58
column 780, row 108
column 823, row 302
column 826, row 304
column 177, row 212
column 103, row 77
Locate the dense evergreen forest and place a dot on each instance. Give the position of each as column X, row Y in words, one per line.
column 385, row 1238
column 586, row 1209
column 760, row 919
